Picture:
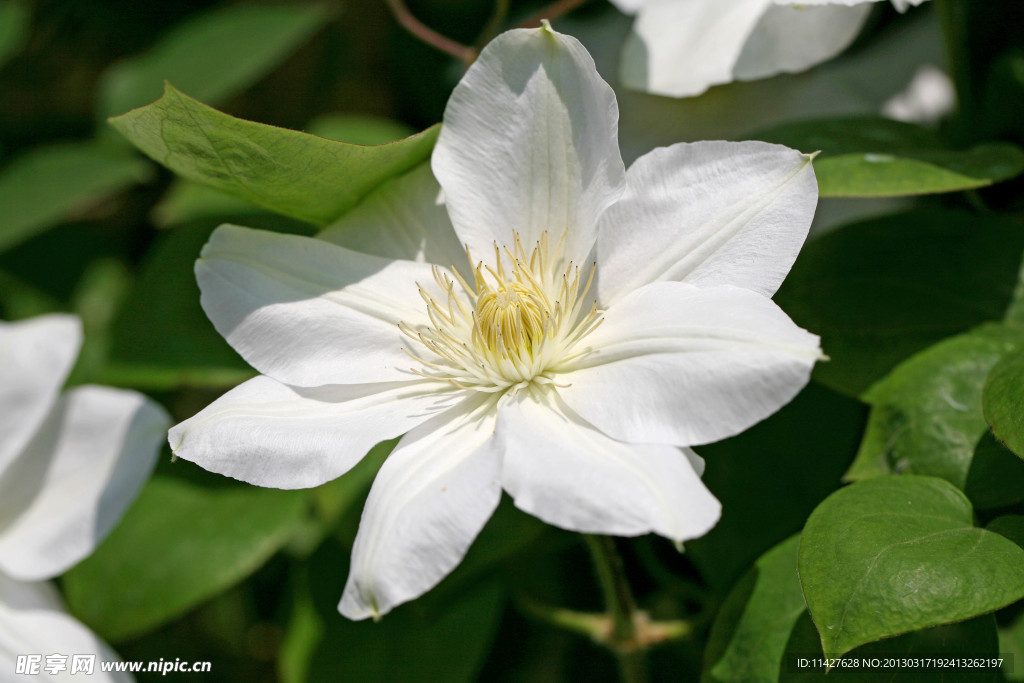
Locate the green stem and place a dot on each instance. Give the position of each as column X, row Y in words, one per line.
column 619, row 599
column 592, row 625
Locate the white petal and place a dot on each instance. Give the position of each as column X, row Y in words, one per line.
column 847, row 3
column 561, row 469
column 429, row 501
column 530, row 144
column 901, row 5
column 33, row 621
column 35, row 358
column 405, row 218
column 307, row 312
column 682, row 47
column 269, row 434
column 929, row 97
column 630, row 6
column 855, row 85
column 792, row 39
column 76, row 478
column 708, row 213
column 904, row 5
column 676, row 364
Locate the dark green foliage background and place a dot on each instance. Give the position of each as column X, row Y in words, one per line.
column 915, row 308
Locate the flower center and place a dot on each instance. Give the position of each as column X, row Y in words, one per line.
column 512, row 319
column 518, row 323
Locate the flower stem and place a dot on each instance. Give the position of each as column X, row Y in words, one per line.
column 429, row 35
column 615, row 587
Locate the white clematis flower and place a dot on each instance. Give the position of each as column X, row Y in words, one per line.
column 929, row 97
column 70, row 464
column 680, row 48
column 604, row 322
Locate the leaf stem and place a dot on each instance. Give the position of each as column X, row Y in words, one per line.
column 429, row 35
column 619, row 599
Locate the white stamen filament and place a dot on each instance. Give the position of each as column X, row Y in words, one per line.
column 521, row 318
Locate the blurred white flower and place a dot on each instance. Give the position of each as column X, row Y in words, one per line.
column 929, row 97
column 680, row 48
column 604, row 322
column 69, row 466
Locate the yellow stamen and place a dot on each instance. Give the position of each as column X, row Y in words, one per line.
column 522, row 318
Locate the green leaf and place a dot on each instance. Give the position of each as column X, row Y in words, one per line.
column 340, row 500
column 149, row 377
column 750, row 633
column 243, row 41
column 359, row 129
column 178, row 545
column 19, row 299
column 162, row 338
column 1003, row 401
column 880, row 290
column 1011, row 641
column 763, row 629
column 508, row 532
column 874, row 157
column 293, row 173
column 13, row 28
column 96, row 299
column 767, row 467
column 1015, row 311
column 971, row 639
column 1010, row 526
column 187, row 201
column 302, row 634
column 47, row 185
column 425, row 640
column 896, row 554
column 996, row 477
column 926, row 414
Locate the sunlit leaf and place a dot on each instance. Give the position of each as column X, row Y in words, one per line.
column 1003, row 401
column 297, row 174
column 358, row 129
column 895, row 554
column 187, row 200
column 926, row 414
column 47, row 185
column 866, row 157
column 213, row 55
column 178, row 545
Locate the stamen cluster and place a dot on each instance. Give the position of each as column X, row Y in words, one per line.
column 518, row 323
